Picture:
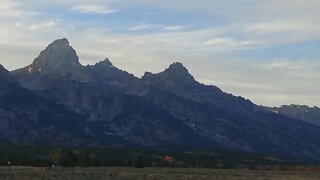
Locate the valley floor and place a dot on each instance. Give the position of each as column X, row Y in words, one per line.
column 32, row 173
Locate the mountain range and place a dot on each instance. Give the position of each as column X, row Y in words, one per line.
column 57, row 101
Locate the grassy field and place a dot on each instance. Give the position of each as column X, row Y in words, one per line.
column 26, row 173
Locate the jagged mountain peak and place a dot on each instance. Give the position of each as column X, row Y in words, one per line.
column 7, row 82
column 3, row 72
column 60, row 42
column 177, row 68
column 5, row 75
column 58, row 54
column 105, row 63
column 147, row 74
column 178, row 71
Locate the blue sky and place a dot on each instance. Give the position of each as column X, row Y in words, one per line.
column 266, row 51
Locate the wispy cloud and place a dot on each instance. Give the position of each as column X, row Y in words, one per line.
column 287, row 65
column 231, row 42
column 273, row 27
column 145, row 27
column 42, row 25
column 9, row 8
column 174, row 28
column 219, row 41
column 93, row 9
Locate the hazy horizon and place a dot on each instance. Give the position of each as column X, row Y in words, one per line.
column 265, row 51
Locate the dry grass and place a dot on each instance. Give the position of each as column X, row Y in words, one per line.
column 26, row 173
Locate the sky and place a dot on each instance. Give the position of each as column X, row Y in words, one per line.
column 266, row 51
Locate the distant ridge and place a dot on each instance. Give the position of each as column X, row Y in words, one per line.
column 301, row 112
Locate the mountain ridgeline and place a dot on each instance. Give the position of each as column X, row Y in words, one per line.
column 57, row 101
column 304, row 113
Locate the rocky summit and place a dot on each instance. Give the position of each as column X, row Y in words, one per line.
column 56, row 100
